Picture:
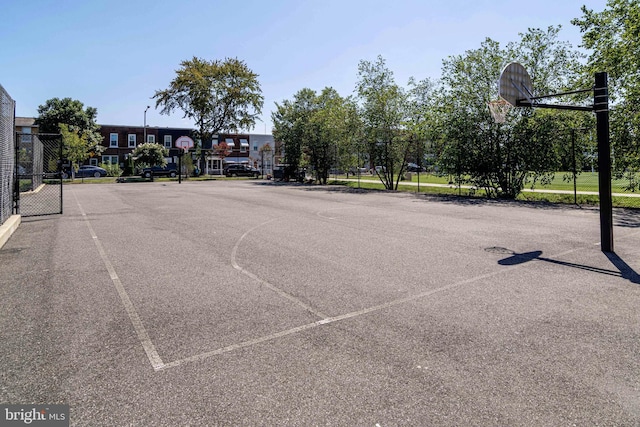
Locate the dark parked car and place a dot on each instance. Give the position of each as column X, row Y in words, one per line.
column 241, row 169
column 169, row 170
column 412, row 167
column 287, row 173
column 86, row 171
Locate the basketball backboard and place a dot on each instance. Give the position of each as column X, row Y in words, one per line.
column 515, row 84
column 185, row 143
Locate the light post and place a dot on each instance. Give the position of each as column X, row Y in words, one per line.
column 144, row 138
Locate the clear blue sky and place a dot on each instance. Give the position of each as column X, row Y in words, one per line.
column 113, row 55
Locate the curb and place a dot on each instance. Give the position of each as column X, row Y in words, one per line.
column 8, row 228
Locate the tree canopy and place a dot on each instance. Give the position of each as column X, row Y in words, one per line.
column 449, row 123
column 613, row 37
column 315, row 129
column 383, row 109
column 220, row 96
column 77, row 120
column 150, row 154
column 76, row 147
column 501, row 158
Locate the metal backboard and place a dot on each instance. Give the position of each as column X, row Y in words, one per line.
column 515, row 84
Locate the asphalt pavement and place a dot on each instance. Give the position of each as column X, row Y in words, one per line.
column 247, row 302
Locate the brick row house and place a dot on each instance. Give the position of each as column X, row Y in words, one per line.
column 120, row 141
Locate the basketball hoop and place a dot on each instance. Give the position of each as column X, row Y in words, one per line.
column 499, row 110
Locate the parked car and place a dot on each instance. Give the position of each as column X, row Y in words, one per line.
column 286, row 173
column 171, row 170
column 240, row 169
column 86, row 171
column 412, row 167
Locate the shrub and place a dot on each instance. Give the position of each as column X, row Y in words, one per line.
column 112, row 169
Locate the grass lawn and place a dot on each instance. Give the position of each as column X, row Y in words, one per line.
column 585, row 181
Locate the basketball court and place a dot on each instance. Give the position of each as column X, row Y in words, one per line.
column 246, row 302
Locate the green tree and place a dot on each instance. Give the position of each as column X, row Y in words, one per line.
column 292, row 127
column 383, row 113
column 470, row 140
column 419, row 120
column 613, row 38
column 553, row 64
column 501, row 158
column 219, row 96
column 150, row 154
column 330, row 124
column 75, row 147
column 317, row 129
column 351, row 148
column 56, row 112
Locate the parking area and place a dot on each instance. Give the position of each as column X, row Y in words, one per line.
column 255, row 303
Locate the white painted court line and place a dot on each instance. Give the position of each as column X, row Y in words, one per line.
column 158, row 364
column 143, row 336
column 354, row 314
column 268, row 285
column 346, row 316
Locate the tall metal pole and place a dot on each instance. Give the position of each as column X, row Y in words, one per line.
column 144, row 138
column 575, row 172
column 359, row 169
column 601, row 108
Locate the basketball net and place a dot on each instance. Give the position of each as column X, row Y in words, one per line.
column 499, row 110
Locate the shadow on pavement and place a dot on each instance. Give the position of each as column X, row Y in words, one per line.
column 623, row 269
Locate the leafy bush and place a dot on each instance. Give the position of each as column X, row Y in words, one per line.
column 112, row 169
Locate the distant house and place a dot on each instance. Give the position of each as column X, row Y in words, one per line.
column 264, row 153
column 120, row 141
column 242, row 148
column 26, row 126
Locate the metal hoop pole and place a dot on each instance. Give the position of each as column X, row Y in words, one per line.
column 601, row 108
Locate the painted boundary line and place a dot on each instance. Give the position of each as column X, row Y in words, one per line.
column 334, row 319
column 158, row 364
column 141, row 332
column 329, row 320
column 270, row 286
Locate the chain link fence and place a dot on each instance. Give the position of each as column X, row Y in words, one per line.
column 39, row 161
column 574, row 179
column 7, row 157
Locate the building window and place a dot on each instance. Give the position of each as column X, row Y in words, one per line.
column 230, row 143
column 112, row 160
column 255, row 147
column 93, row 161
column 167, row 141
column 26, row 137
column 113, row 140
column 132, row 140
column 151, row 138
column 244, row 145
